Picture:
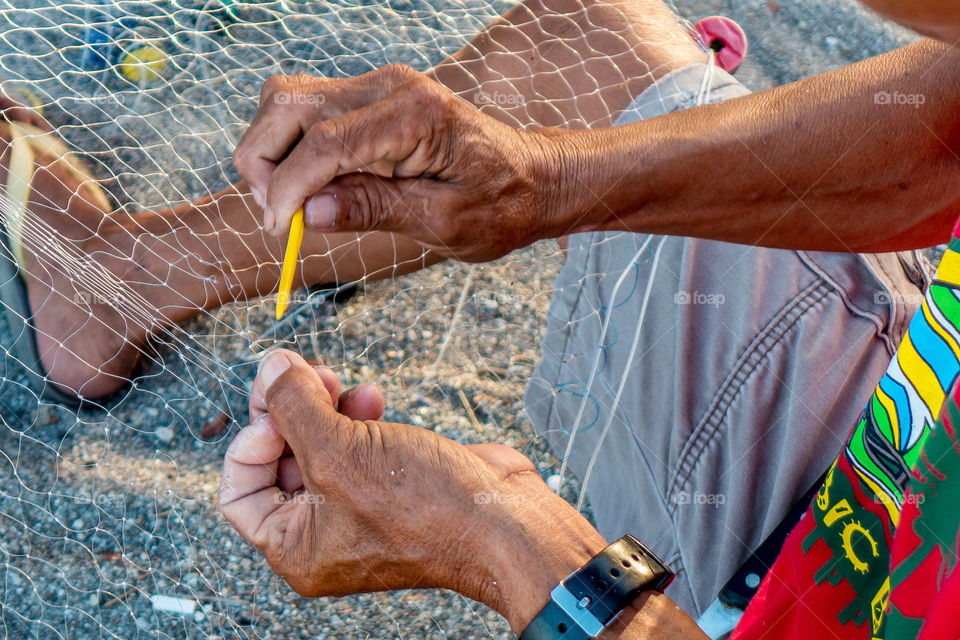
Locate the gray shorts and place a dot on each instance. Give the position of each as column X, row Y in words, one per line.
column 705, row 386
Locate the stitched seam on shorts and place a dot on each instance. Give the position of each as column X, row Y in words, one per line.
column 885, row 327
column 755, row 353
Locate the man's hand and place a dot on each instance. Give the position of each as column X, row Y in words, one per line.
column 393, row 150
column 340, row 503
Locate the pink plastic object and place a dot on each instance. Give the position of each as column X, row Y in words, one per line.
column 725, row 37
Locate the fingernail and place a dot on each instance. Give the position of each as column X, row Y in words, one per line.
column 263, row 427
column 258, row 196
column 321, row 211
column 272, row 367
column 268, row 219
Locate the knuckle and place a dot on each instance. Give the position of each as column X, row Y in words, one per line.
column 241, row 159
column 223, row 509
column 365, row 206
column 267, row 541
column 450, row 231
column 271, row 85
column 397, row 72
column 288, row 389
column 318, row 138
column 424, row 96
column 305, row 83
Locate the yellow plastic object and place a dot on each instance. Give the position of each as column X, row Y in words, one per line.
column 144, row 63
column 25, row 94
column 290, row 261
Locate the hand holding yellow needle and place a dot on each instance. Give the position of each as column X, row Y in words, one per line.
column 290, row 257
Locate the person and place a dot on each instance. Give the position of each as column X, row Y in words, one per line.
column 596, row 64
column 564, row 63
column 818, row 165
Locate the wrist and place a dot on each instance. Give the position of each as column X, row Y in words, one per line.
column 534, row 540
column 603, row 179
column 563, row 165
column 653, row 616
column 528, row 541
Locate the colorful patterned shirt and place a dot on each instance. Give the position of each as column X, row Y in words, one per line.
column 884, row 503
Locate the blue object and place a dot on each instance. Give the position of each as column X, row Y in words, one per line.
column 97, row 37
column 103, row 27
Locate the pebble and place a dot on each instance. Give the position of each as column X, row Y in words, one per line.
column 214, row 427
column 408, row 317
column 553, row 482
column 164, row 434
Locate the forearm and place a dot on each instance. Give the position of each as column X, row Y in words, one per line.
column 539, row 541
column 820, row 164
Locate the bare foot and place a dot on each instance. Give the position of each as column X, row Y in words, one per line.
column 74, row 265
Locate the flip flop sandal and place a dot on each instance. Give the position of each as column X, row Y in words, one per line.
column 25, row 140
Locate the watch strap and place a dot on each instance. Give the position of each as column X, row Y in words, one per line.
column 588, row 600
column 554, row 622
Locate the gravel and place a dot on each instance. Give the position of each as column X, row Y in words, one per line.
column 101, row 509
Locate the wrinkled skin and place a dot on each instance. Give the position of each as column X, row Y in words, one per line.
column 363, row 142
column 339, row 502
column 309, row 482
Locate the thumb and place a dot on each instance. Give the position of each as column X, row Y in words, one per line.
column 300, row 408
column 367, row 202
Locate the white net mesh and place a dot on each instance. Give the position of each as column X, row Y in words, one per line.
column 104, row 508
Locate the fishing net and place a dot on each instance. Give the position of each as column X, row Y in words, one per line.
column 107, row 513
column 108, row 524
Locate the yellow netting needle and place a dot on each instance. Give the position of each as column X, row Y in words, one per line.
column 290, row 261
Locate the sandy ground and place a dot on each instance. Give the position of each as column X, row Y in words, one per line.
column 102, row 509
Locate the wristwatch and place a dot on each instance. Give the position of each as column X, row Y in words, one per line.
column 590, row 598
